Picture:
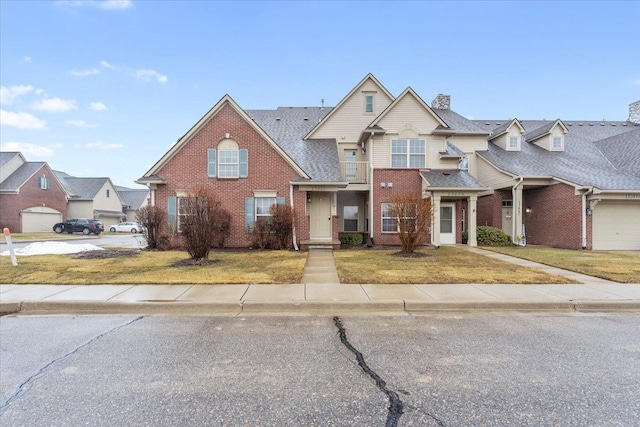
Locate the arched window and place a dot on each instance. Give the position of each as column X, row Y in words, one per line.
column 227, row 161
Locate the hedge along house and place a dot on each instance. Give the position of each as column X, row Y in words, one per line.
column 341, row 167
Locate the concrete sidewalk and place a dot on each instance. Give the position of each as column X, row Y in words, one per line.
column 322, row 294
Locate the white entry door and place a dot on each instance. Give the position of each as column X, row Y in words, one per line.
column 448, row 224
column 320, row 216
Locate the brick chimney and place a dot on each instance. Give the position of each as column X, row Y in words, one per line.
column 634, row 112
column 442, row 102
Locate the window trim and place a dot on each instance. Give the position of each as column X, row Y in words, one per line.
column 560, row 140
column 356, row 219
column 369, row 97
column 513, row 146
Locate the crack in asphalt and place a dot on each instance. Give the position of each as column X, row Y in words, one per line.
column 396, row 406
column 26, row 385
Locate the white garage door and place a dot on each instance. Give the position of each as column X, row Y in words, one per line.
column 616, row 226
column 39, row 219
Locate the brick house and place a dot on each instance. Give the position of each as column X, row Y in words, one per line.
column 32, row 199
column 340, row 167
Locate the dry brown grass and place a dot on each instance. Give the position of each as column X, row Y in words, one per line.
column 229, row 267
column 623, row 267
column 444, row 265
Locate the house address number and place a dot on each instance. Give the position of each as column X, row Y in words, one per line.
column 455, row 194
column 633, row 196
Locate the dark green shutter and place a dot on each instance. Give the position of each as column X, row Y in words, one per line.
column 249, row 212
column 244, row 163
column 172, row 217
column 211, row 162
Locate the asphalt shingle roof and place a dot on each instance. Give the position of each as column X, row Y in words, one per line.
column 82, row 188
column 457, row 122
column 288, row 125
column 583, row 160
column 450, row 179
column 20, row 176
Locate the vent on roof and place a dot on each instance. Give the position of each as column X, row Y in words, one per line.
column 306, row 118
column 277, row 119
column 579, row 124
column 590, row 124
column 447, row 173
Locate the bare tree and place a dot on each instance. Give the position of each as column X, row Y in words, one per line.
column 151, row 218
column 201, row 220
column 413, row 214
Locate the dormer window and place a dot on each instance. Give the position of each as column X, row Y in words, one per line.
column 513, row 142
column 557, row 143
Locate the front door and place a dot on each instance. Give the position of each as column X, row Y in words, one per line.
column 320, row 216
column 448, row 224
column 507, row 220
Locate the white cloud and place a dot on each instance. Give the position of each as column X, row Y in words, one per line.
column 27, row 149
column 105, row 64
column 98, row 106
column 101, row 4
column 80, row 123
column 27, row 59
column 103, row 146
column 21, row 120
column 148, row 75
column 115, row 4
column 55, row 105
column 85, row 73
column 10, row 93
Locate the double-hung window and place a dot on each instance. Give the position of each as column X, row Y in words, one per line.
column 513, row 142
column 408, row 153
column 557, row 142
column 389, row 220
column 44, row 183
column 263, row 208
column 227, row 161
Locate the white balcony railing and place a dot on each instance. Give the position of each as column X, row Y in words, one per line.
column 355, row 172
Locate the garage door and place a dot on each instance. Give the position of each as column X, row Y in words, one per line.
column 616, row 226
column 39, row 219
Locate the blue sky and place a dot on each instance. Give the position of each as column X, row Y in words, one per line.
column 104, row 88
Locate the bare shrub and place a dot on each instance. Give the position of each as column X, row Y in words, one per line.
column 151, row 218
column 201, row 220
column 413, row 214
column 261, row 234
column 282, row 225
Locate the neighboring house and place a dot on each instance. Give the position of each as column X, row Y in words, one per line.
column 95, row 198
column 132, row 199
column 340, row 168
column 32, row 199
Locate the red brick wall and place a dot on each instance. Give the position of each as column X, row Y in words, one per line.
column 490, row 208
column 31, row 195
column 555, row 218
column 404, row 181
column 267, row 171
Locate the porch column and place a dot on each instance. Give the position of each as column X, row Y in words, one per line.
column 517, row 215
column 472, row 239
column 435, row 226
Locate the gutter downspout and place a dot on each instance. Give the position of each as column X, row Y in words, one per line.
column 293, row 231
column 371, row 189
column 517, row 205
column 584, row 217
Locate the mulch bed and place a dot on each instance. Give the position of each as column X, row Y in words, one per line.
column 104, row 254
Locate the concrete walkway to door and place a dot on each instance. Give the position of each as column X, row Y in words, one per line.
column 320, row 267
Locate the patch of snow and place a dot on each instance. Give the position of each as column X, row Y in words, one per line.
column 56, row 248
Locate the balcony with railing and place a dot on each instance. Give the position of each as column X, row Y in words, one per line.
column 355, row 172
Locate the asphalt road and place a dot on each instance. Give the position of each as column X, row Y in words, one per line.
column 453, row 370
column 124, row 240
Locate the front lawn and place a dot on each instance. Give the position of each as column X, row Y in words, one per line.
column 444, row 265
column 152, row 267
column 623, row 267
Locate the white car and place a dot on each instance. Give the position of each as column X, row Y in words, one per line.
column 126, row 227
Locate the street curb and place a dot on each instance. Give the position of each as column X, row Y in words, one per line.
column 307, row 308
column 139, row 307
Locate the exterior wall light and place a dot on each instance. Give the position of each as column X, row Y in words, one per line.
column 589, row 211
column 528, row 210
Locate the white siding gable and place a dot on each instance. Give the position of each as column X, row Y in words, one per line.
column 349, row 119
